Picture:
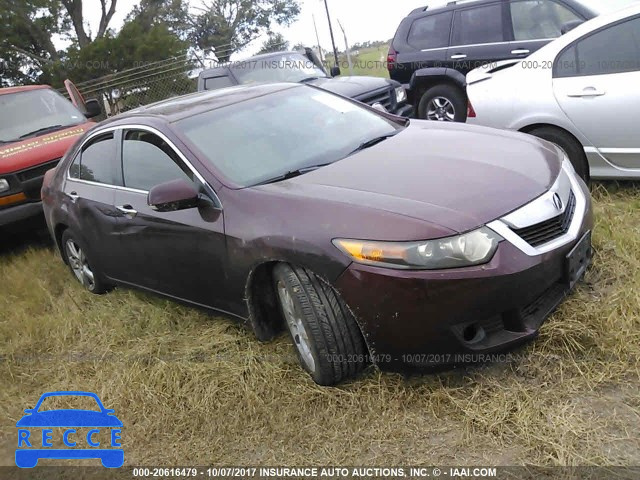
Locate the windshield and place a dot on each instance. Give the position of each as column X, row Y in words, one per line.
column 26, row 114
column 288, row 67
column 301, row 127
column 606, row 6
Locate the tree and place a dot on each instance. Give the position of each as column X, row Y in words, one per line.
column 224, row 27
column 274, row 43
column 28, row 26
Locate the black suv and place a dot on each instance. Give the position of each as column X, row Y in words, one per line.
column 434, row 48
column 306, row 67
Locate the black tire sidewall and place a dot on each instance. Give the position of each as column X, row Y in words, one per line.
column 571, row 147
column 451, row 93
column 283, row 273
column 99, row 285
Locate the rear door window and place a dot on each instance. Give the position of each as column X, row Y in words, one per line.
column 431, row 32
column 97, row 161
column 214, row 83
column 539, row 19
column 615, row 49
column 478, row 25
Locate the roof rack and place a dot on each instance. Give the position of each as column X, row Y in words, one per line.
column 419, row 10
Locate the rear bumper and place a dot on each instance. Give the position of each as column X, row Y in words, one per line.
column 421, row 319
column 18, row 213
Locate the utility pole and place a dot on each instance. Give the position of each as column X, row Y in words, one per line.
column 333, row 42
column 347, row 49
column 317, row 38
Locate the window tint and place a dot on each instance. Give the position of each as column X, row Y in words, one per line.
column 147, row 161
column 538, row 19
column 478, row 25
column 431, row 32
column 215, row 83
column 613, row 50
column 97, row 161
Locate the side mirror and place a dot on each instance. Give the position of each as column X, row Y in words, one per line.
column 109, row 411
column 28, row 410
column 93, row 108
column 335, row 71
column 567, row 27
column 173, row 196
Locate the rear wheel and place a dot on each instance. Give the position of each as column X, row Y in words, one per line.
column 81, row 266
column 443, row 103
column 325, row 334
column 569, row 145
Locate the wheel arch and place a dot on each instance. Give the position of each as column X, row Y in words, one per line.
column 262, row 303
column 425, row 78
column 58, row 231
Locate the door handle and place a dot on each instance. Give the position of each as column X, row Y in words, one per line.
column 458, row 56
column 520, row 51
column 73, row 196
column 587, row 92
column 127, row 210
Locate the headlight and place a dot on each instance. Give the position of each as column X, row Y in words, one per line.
column 473, row 248
column 401, row 94
column 4, row 185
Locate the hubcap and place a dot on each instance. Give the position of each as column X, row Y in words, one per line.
column 441, row 109
column 80, row 265
column 296, row 327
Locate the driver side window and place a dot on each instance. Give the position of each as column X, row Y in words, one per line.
column 147, row 161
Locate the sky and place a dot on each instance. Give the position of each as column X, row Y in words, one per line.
column 362, row 20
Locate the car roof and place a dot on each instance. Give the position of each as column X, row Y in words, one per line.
column 185, row 106
column 24, row 88
column 454, row 4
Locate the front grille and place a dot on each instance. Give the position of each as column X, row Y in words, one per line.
column 31, row 179
column 36, row 172
column 383, row 98
column 549, row 230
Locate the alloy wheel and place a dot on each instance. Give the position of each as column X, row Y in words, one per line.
column 441, row 109
column 296, row 327
column 80, row 265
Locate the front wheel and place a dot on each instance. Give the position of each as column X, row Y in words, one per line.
column 325, row 334
column 443, row 103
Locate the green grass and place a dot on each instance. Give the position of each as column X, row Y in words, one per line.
column 369, row 61
column 196, row 389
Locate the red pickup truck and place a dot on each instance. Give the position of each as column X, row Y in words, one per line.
column 37, row 126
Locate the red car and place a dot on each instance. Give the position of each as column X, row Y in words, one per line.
column 37, row 126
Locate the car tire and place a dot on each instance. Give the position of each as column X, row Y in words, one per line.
column 451, row 101
column 76, row 256
column 570, row 145
column 325, row 334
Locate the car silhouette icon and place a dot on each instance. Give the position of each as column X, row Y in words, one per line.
column 31, row 448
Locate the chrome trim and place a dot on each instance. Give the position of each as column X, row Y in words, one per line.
column 135, row 190
column 543, row 209
column 107, row 185
column 489, row 43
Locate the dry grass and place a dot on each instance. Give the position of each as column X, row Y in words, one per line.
column 193, row 389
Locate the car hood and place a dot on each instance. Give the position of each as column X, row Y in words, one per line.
column 37, row 150
column 351, row 86
column 69, row 418
column 453, row 175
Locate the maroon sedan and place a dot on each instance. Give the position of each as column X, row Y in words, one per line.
column 370, row 237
